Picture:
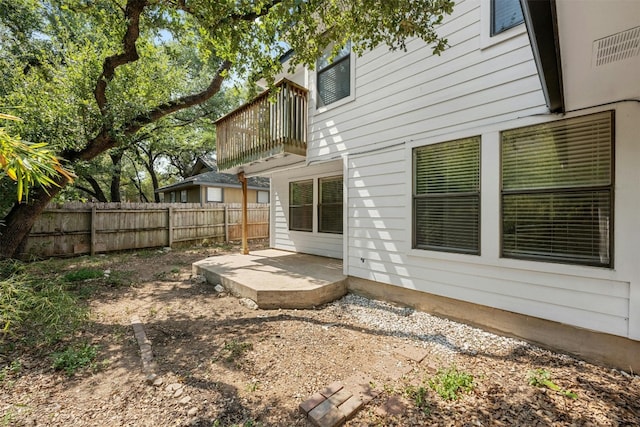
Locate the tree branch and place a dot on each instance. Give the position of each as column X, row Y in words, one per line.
column 132, row 13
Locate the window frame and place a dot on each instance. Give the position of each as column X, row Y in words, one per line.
column 492, row 30
column 184, row 196
column 316, row 93
column 209, row 200
column 564, row 190
column 331, row 204
column 302, row 205
column 258, row 192
column 444, row 196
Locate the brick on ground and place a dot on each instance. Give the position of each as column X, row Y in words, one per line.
column 311, row 403
column 392, row 368
column 350, row 407
column 326, row 414
column 359, row 384
column 331, row 389
column 411, row 352
column 339, row 397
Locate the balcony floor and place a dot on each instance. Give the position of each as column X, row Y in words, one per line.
column 277, row 279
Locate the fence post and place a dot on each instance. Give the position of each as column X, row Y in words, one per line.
column 170, row 224
column 93, row 230
column 226, row 224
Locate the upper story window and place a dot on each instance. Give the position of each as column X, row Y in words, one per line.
column 505, row 14
column 557, row 191
column 334, row 77
column 446, row 196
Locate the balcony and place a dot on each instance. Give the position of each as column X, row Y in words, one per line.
column 267, row 132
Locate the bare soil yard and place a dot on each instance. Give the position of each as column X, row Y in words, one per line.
column 223, row 364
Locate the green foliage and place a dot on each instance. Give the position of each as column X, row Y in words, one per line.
column 12, row 369
column 42, row 311
column 83, row 274
column 27, row 164
column 74, row 358
column 542, row 378
column 449, row 383
column 234, row 350
column 419, row 396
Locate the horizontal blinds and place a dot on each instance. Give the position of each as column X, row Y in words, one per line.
column 330, row 208
column 334, row 82
column 301, row 205
column 568, row 153
column 449, row 224
column 447, row 196
column 301, row 193
column 506, row 14
column 557, row 191
column 448, row 167
column 569, row 227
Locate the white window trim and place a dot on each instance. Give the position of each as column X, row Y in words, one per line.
column 486, row 41
column 211, row 200
column 313, row 79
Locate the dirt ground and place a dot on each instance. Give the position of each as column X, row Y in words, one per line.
column 223, row 364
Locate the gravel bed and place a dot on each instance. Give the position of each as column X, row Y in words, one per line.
column 444, row 337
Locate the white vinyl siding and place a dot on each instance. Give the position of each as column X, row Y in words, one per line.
column 404, row 96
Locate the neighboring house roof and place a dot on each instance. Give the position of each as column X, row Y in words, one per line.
column 205, row 173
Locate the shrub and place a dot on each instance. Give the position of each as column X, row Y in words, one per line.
column 74, row 358
column 450, row 383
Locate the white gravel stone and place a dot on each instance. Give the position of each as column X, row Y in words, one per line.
column 442, row 336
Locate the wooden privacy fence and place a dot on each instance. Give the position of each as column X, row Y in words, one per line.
column 80, row 228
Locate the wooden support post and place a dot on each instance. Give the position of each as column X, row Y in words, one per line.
column 226, row 224
column 170, row 225
column 245, row 246
column 93, row 230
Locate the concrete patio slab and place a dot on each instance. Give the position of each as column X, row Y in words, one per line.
column 277, row 279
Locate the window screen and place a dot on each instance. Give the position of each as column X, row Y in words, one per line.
column 557, row 191
column 505, row 14
column 446, row 199
column 334, row 78
column 330, row 206
column 301, row 205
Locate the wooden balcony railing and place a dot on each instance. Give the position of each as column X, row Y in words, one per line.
column 263, row 129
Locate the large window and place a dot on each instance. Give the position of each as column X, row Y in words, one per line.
column 301, row 205
column 557, row 191
column 334, row 76
column 330, row 205
column 446, row 197
column 505, row 14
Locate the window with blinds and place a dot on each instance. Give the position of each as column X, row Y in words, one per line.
column 334, row 77
column 330, row 205
column 301, row 205
column 557, row 191
column 505, row 14
column 446, row 198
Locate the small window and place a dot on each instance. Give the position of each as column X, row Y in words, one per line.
column 183, row 196
column 214, row 194
column 446, row 199
column 334, row 77
column 263, row 196
column 505, row 14
column 557, row 191
column 301, row 205
column 172, row 197
column 330, row 205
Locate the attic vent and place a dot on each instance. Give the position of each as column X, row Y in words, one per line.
column 616, row 47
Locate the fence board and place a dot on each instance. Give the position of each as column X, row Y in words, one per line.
column 78, row 228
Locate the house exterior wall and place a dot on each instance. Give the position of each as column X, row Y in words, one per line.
column 234, row 195
column 323, row 244
column 479, row 86
column 379, row 239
